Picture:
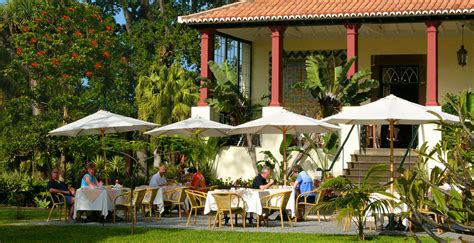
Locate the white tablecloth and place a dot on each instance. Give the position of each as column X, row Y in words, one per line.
column 252, row 200
column 95, row 200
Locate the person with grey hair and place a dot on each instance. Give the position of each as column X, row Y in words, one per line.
column 260, row 181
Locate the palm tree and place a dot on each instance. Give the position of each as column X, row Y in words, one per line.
column 166, row 94
column 329, row 84
column 357, row 200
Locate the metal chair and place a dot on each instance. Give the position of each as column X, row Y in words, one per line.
column 59, row 201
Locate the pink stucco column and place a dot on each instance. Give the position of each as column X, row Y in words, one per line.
column 207, row 54
column 432, row 63
column 352, row 32
column 277, row 65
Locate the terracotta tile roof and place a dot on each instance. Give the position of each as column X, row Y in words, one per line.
column 288, row 10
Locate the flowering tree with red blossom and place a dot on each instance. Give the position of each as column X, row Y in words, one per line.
column 72, row 56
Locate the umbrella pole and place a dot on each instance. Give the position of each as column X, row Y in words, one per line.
column 102, row 138
column 392, row 127
column 284, row 157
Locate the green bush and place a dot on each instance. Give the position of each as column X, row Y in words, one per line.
column 20, row 189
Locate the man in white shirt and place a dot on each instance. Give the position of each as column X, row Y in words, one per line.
column 159, row 178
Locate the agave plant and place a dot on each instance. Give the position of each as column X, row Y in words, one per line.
column 356, row 201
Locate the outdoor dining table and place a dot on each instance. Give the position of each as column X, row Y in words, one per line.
column 96, row 199
column 252, row 199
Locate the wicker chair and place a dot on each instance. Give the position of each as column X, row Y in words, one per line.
column 282, row 199
column 147, row 202
column 60, row 204
column 128, row 205
column 304, row 203
column 230, row 203
column 175, row 197
column 197, row 199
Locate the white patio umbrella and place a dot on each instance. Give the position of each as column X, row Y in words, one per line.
column 391, row 110
column 194, row 126
column 284, row 122
column 101, row 123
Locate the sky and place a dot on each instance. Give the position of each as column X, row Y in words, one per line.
column 119, row 17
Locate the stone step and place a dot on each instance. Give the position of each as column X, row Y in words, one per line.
column 362, row 172
column 382, row 151
column 358, row 157
column 365, row 165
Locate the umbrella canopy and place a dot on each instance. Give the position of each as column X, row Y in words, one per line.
column 284, row 122
column 391, row 108
column 102, row 122
column 194, row 126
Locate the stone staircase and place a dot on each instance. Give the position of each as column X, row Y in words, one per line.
column 362, row 160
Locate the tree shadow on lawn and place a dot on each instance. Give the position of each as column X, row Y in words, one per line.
column 93, row 233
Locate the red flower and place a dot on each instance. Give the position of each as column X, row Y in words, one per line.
column 94, row 43
column 75, row 55
column 65, row 17
column 18, row 51
column 65, row 75
column 106, row 54
column 54, row 61
column 60, row 29
column 44, row 13
column 108, row 27
column 35, row 64
column 124, row 60
column 41, row 53
column 37, row 20
column 92, row 31
column 71, row 9
column 47, row 37
column 89, row 74
column 77, row 34
column 33, row 40
column 24, row 29
column 98, row 65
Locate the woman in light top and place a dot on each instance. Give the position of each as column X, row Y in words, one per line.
column 89, row 180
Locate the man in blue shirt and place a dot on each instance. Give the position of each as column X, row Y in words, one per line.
column 303, row 183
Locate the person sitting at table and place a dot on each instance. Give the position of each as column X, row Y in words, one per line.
column 260, row 181
column 304, row 184
column 56, row 186
column 159, row 178
column 89, row 180
column 198, row 181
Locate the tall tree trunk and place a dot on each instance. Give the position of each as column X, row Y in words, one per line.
column 127, row 15
column 251, row 151
column 34, row 106
column 162, row 12
column 62, row 160
column 141, row 157
column 128, row 162
column 147, row 10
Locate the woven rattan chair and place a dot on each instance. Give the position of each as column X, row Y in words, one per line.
column 281, row 199
column 197, row 200
column 304, row 203
column 147, row 202
column 175, row 197
column 60, row 204
column 229, row 203
column 130, row 205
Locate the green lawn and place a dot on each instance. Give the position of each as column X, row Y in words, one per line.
column 77, row 232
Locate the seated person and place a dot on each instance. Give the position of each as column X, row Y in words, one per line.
column 56, row 186
column 89, row 180
column 159, row 178
column 198, row 181
column 260, row 181
column 304, row 184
